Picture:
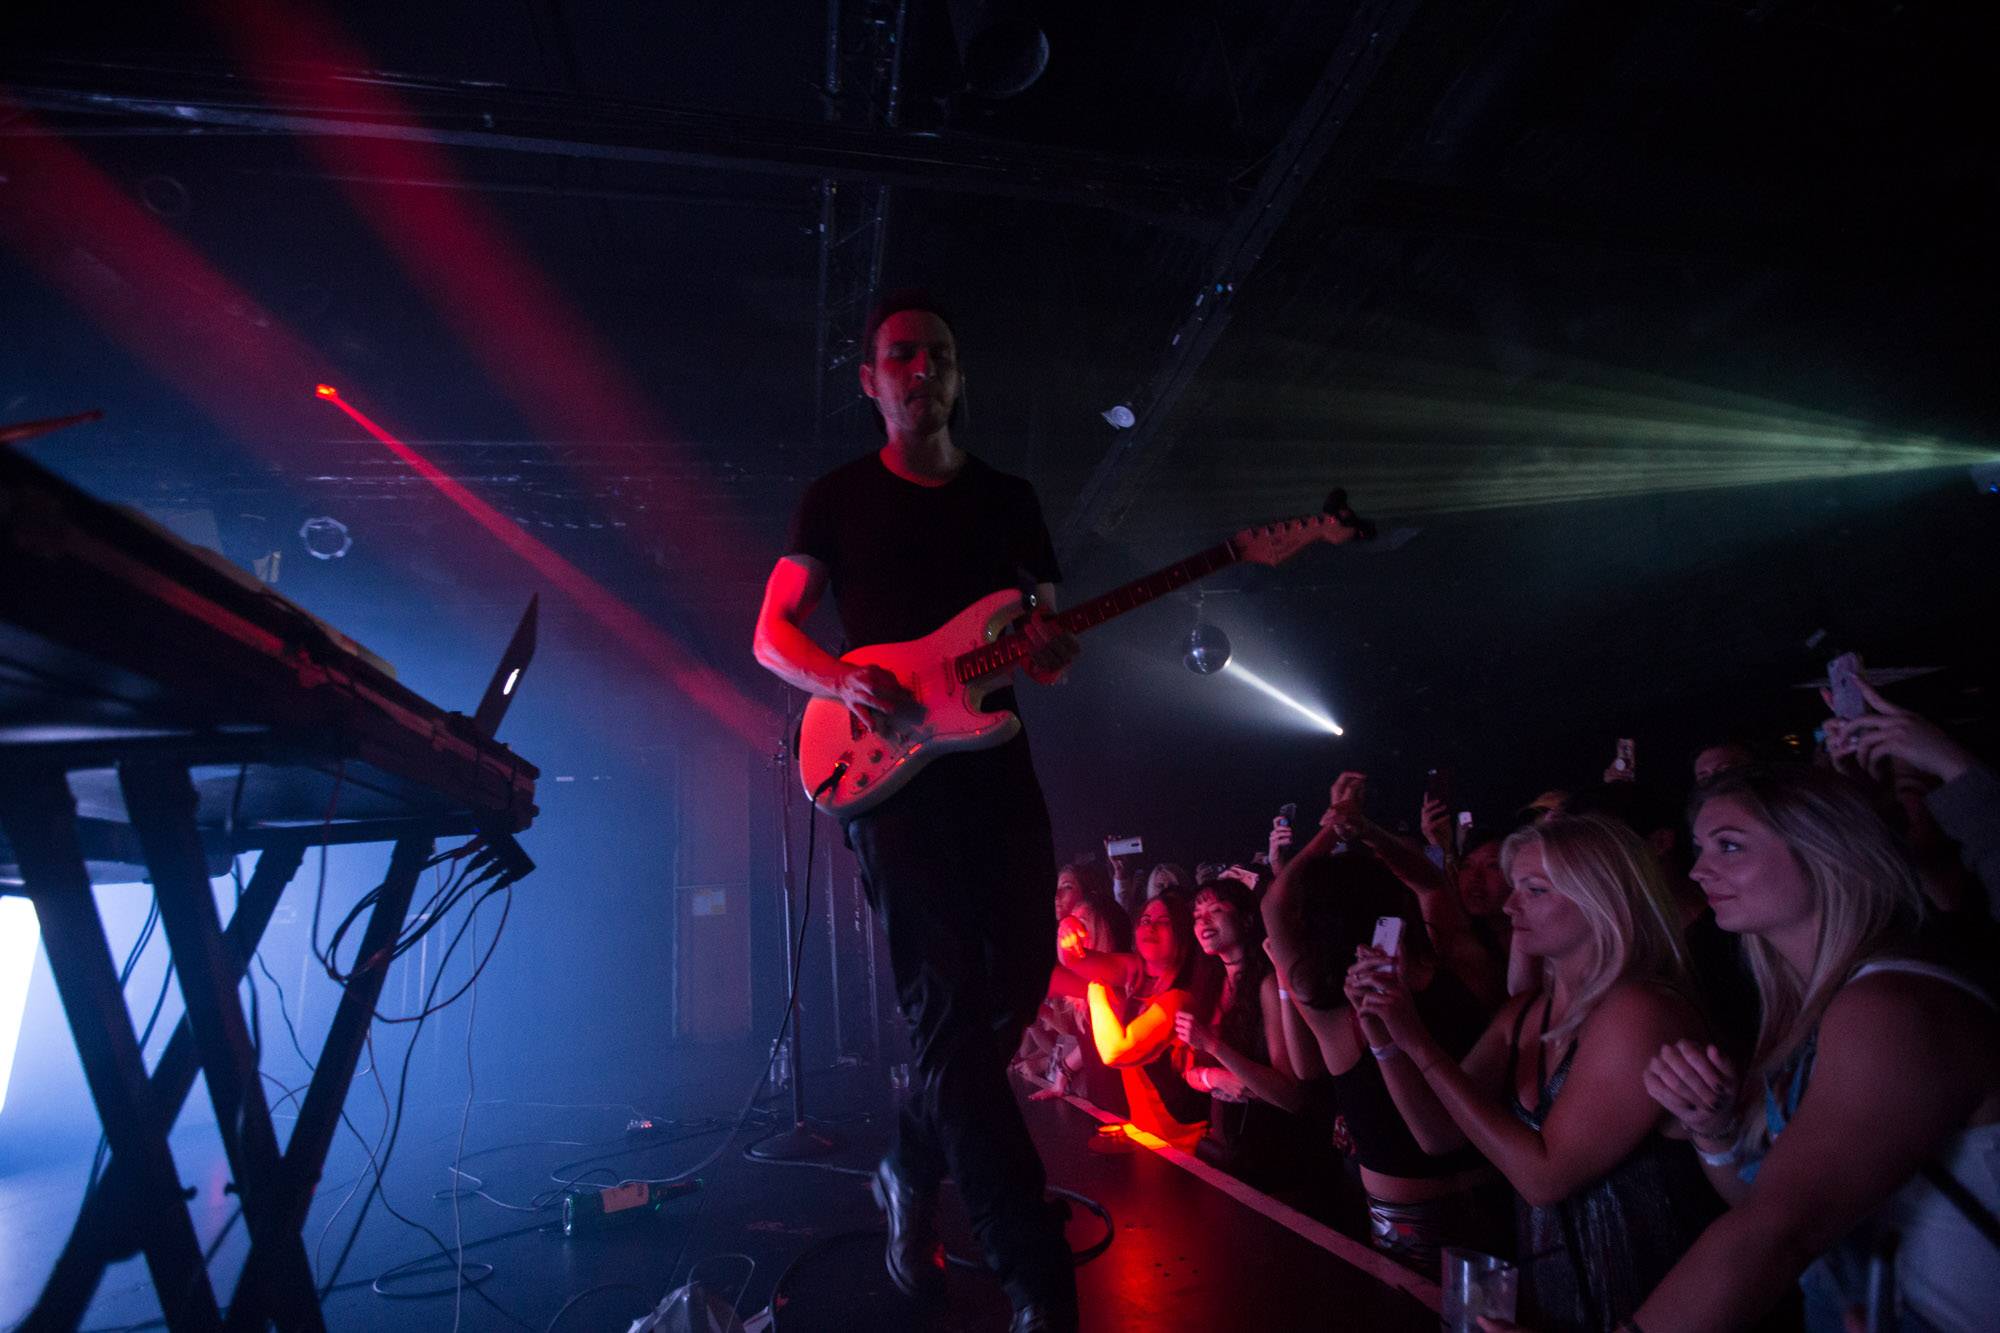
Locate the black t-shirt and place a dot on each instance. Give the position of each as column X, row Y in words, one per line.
column 1382, row 1139
column 902, row 559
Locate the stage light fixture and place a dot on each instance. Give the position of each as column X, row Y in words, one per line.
column 1120, row 417
column 1311, row 714
column 20, row 934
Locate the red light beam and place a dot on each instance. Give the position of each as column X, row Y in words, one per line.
column 749, row 720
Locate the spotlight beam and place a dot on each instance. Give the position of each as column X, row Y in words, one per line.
column 19, row 934
column 749, row 720
column 1257, row 682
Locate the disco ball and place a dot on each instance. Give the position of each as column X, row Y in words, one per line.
column 1205, row 651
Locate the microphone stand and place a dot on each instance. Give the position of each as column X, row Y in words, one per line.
column 801, row 1140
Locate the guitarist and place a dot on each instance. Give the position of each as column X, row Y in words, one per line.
column 960, row 864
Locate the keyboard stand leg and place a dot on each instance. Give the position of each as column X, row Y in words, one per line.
column 39, row 815
column 113, row 1205
column 160, row 800
column 319, row 1113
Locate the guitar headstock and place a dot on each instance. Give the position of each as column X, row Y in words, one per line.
column 1275, row 543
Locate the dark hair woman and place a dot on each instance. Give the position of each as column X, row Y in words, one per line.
column 1235, row 1032
column 1134, row 1000
column 1321, row 909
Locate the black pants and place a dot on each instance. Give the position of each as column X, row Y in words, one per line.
column 960, row 866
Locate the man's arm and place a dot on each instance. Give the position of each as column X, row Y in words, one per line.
column 783, row 648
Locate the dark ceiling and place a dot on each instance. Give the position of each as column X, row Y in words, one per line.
column 1653, row 331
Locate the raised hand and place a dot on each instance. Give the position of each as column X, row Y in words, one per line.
column 1072, row 939
column 1378, row 992
column 1346, row 800
column 1872, row 741
column 1279, row 847
column 1436, row 823
column 1698, row 1087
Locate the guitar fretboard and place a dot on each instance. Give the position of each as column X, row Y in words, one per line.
column 998, row 657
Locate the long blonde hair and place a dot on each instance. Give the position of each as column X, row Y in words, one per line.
column 1862, row 882
column 1616, row 882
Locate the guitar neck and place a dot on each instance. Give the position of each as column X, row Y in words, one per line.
column 998, row 657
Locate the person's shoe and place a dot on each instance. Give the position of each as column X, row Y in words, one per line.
column 915, row 1254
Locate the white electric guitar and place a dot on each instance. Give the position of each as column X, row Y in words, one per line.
column 847, row 768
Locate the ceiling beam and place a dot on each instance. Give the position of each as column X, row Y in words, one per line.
column 1191, row 195
column 1358, row 56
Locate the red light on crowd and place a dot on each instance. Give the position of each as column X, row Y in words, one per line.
column 325, row 391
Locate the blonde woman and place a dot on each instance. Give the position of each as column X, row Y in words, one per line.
column 1872, row 1105
column 1552, row 1094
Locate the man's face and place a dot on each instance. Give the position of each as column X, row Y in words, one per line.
column 913, row 373
column 1720, row 759
column 1482, row 888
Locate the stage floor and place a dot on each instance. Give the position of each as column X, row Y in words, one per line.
column 1192, row 1250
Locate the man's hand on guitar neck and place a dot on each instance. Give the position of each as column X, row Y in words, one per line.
column 1051, row 648
column 875, row 696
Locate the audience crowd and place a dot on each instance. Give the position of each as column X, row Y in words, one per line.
column 1714, row 1063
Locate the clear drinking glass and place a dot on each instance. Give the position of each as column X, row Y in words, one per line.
column 1477, row 1284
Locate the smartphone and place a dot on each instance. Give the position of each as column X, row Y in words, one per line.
column 1437, row 785
column 1843, row 674
column 1465, row 819
column 1124, row 847
column 1627, row 759
column 1287, row 813
column 1389, row 935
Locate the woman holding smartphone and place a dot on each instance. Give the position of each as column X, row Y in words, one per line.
column 1320, row 909
column 1552, row 1093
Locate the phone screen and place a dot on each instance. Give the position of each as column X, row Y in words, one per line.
column 1843, row 675
column 1389, row 934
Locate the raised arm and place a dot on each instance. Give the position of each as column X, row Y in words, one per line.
column 1429, row 1122
column 783, row 648
column 1072, row 977
column 1302, row 1047
column 1283, row 906
column 1604, row 1111
column 1121, row 1044
column 1444, row 916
